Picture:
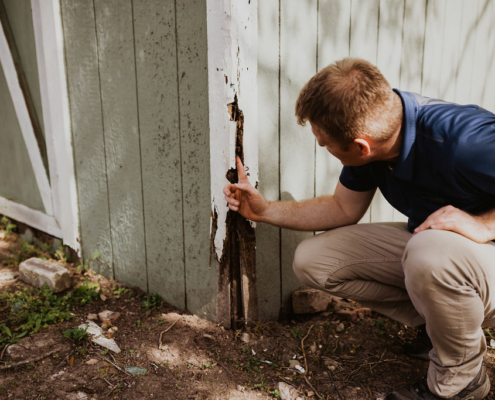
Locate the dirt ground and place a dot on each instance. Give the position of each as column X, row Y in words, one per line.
column 196, row 359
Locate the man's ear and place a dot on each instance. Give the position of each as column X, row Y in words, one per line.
column 363, row 146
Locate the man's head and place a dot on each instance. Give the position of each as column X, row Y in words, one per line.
column 350, row 100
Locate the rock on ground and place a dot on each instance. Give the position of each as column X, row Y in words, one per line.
column 38, row 272
column 308, row 301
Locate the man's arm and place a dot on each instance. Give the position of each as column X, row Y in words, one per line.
column 479, row 228
column 345, row 207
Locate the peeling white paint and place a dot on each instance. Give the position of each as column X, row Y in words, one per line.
column 232, row 53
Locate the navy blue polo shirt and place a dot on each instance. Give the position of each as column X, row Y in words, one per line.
column 447, row 158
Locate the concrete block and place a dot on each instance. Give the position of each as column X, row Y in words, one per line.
column 308, row 301
column 37, row 272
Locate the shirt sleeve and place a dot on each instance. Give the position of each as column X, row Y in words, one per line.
column 358, row 179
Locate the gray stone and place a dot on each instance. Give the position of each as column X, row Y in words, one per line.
column 37, row 272
column 57, row 243
column 27, row 236
column 288, row 392
column 308, row 301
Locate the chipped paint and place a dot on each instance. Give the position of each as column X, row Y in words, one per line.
column 232, row 69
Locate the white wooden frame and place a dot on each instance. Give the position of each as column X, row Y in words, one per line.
column 25, row 123
column 59, row 194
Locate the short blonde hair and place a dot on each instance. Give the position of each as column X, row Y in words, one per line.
column 350, row 99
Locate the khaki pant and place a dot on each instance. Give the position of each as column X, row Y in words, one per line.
column 437, row 277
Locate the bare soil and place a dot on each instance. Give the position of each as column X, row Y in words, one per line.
column 198, row 359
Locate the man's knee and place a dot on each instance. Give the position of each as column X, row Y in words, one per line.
column 426, row 261
column 305, row 262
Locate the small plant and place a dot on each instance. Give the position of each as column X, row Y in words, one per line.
column 7, row 226
column 85, row 266
column 138, row 324
column 78, row 336
column 26, row 251
column 151, row 303
column 296, row 333
column 104, row 352
column 159, row 321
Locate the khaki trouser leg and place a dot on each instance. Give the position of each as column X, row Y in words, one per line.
column 362, row 263
column 443, row 279
column 449, row 278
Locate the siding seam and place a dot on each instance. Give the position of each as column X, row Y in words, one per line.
column 104, row 141
column 180, row 154
column 140, row 150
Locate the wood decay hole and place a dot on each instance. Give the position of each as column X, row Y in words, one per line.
column 237, row 266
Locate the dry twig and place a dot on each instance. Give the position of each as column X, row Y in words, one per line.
column 116, row 366
column 306, row 363
column 8, row 366
column 165, row 331
column 3, row 351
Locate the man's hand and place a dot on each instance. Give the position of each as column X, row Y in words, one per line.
column 449, row 218
column 244, row 198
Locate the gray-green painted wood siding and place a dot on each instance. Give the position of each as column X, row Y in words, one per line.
column 17, row 180
column 142, row 150
column 192, row 56
column 83, row 80
column 433, row 56
column 20, row 18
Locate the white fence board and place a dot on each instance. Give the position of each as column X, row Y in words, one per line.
column 297, row 144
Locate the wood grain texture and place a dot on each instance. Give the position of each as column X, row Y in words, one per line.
column 434, row 37
column 388, row 60
column 267, row 236
column 489, row 91
column 467, row 48
column 21, row 23
column 193, row 88
column 484, row 33
column 450, row 50
column 413, row 46
column 156, row 63
column 364, row 42
column 333, row 44
column 19, row 184
column 87, row 132
column 114, row 28
column 297, row 144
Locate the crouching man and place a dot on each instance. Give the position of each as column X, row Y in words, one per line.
column 433, row 161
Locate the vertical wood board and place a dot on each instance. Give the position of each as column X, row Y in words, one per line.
column 481, row 52
column 267, row 236
column 467, row 48
column 194, row 123
column 451, row 50
column 434, row 38
column 156, row 63
column 333, row 45
column 87, row 133
column 297, row 144
column 364, row 44
column 413, row 46
column 114, row 27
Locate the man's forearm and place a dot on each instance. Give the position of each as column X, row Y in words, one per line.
column 317, row 214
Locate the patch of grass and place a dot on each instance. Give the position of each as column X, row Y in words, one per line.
column 78, row 336
column 84, row 266
column 152, row 303
column 36, row 308
column 26, row 251
column 7, row 226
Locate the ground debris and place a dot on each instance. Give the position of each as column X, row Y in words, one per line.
column 98, row 337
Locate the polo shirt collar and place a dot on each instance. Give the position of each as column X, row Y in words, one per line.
column 404, row 167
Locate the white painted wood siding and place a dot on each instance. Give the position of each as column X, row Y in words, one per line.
column 437, row 48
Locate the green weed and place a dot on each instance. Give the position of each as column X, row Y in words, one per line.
column 36, row 308
column 78, row 336
column 296, row 333
column 152, row 303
